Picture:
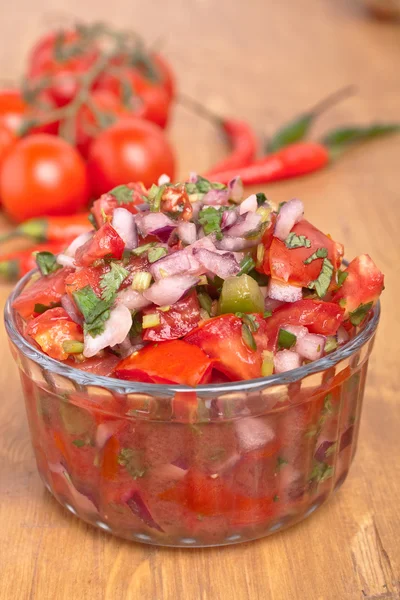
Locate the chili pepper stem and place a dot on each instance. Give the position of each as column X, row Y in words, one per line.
column 332, row 99
column 199, row 109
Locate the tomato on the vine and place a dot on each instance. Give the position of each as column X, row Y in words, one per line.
column 167, row 75
column 43, row 175
column 7, row 141
column 14, row 111
column 131, row 150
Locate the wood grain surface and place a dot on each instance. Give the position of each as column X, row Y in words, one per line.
column 262, row 60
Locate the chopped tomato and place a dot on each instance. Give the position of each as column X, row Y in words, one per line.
column 47, row 290
column 267, row 238
column 363, row 284
column 287, row 264
column 134, row 265
column 51, row 329
column 105, row 243
column 87, row 276
column 167, row 362
column 320, row 317
column 221, row 338
column 103, row 208
column 182, row 317
column 98, row 365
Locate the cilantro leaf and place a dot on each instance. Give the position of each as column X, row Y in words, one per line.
column 321, row 472
column 203, row 185
column 319, row 253
column 210, row 219
column 261, row 198
column 133, row 462
column 297, row 241
column 281, row 462
column 122, row 193
column 341, row 277
column 142, row 249
column 155, row 195
column 323, row 281
column 155, row 254
column 358, row 315
column 47, row 262
column 94, row 310
column 111, row 281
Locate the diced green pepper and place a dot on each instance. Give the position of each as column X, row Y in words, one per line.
column 241, row 294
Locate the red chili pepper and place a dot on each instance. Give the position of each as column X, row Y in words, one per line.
column 291, row 161
column 52, row 229
column 16, row 264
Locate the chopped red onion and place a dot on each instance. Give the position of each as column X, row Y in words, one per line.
column 229, row 218
column 298, row 330
column 187, row 232
column 124, row 349
column 320, row 454
column 132, row 299
column 172, row 264
column 235, row 244
column 170, row 289
column 346, row 438
column 77, row 243
column 192, row 177
column 163, row 179
column 253, row 433
column 245, row 225
column 66, row 261
column 223, row 265
column 342, row 335
column 142, row 207
column 216, row 197
column 235, row 187
column 115, row 331
column 249, row 205
column 124, row 224
column 70, row 308
column 285, row 360
column 291, row 213
column 164, row 233
column 139, row 508
column 196, row 208
column 150, row 222
column 283, row 291
column 271, row 304
column 104, row 432
column 311, row 346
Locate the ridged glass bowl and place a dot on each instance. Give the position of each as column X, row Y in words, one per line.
column 177, row 466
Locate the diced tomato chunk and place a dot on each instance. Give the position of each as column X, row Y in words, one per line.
column 98, row 365
column 47, row 290
column 87, row 276
column 363, row 284
column 105, row 243
column 221, row 338
column 167, row 362
column 182, row 317
column 287, row 264
column 103, row 208
column 51, row 329
column 320, row 317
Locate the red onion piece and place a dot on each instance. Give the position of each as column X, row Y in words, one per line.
column 285, row 360
column 71, row 309
column 124, row 224
column 192, row 177
column 115, row 331
column 248, row 205
column 298, row 330
column 283, row 291
column 311, row 346
column 151, row 222
column 342, row 335
column 235, row 187
column 170, row 289
column 196, row 208
column 139, row 508
column 320, row 453
column 187, row 232
column 235, row 244
column 253, row 433
column 271, row 305
column 290, row 214
column 66, row 261
column 245, row 225
column 164, row 233
column 216, row 197
column 163, row 179
column 172, row 264
column 346, row 438
column 78, row 242
column 104, row 432
column 132, row 299
column 223, row 265
column 229, row 218
column 124, row 349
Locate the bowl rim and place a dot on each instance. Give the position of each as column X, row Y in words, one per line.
column 120, row 386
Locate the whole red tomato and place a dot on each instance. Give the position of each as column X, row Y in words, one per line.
column 167, row 75
column 131, row 150
column 145, row 99
column 14, row 110
column 7, row 140
column 43, row 175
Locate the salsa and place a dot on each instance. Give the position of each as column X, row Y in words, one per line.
column 192, row 284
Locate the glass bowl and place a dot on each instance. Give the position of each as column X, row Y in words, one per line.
column 177, row 466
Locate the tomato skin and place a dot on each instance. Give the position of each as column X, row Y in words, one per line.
column 105, row 242
column 167, row 75
column 182, row 317
column 46, row 290
column 320, row 317
column 168, row 362
column 221, row 339
column 12, row 109
column 131, row 150
column 363, row 284
column 97, row 365
column 105, row 205
column 43, row 175
column 286, row 264
column 7, row 141
column 51, row 329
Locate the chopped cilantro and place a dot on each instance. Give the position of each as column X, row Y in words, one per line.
column 79, row 443
column 267, row 313
column 331, row 450
column 156, row 253
column 95, row 311
column 47, row 262
column 341, row 277
column 321, row 472
column 205, row 301
column 276, row 498
column 203, row 185
column 155, row 196
column 261, row 278
column 122, row 193
column 261, row 198
column 286, row 339
column 111, row 281
column 210, row 219
column 323, row 281
column 319, row 253
column 246, row 264
column 142, row 249
column 249, row 320
column 132, row 460
column 358, row 315
column 281, row 462
column 297, row 241
column 41, row 308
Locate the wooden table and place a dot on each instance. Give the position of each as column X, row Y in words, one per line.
column 265, row 62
